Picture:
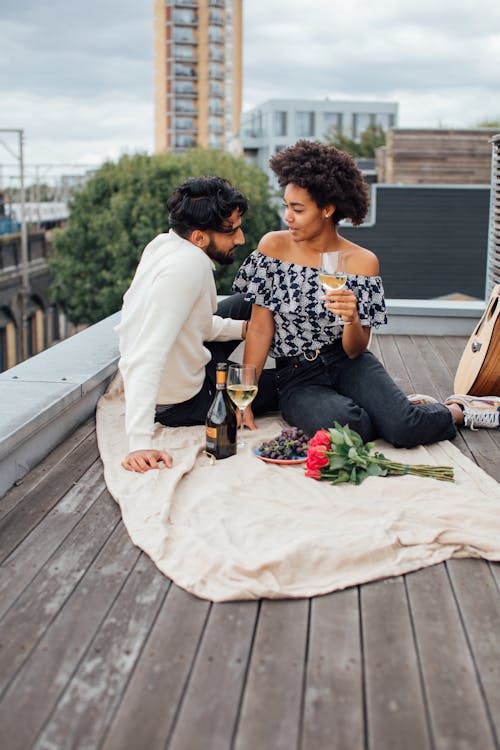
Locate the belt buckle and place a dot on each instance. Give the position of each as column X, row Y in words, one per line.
column 311, row 359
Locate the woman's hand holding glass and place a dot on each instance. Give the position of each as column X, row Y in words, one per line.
column 343, row 304
column 339, row 300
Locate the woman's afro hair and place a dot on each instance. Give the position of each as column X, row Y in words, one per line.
column 330, row 177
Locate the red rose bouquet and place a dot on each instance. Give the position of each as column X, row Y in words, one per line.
column 338, row 455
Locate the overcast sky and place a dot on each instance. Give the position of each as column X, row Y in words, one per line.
column 78, row 76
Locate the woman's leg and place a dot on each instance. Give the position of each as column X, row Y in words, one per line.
column 308, row 401
column 394, row 418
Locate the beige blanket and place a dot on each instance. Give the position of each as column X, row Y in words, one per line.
column 245, row 529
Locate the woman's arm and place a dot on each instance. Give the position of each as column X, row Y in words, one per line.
column 260, row 333
column 344, row 303
column 259, row 336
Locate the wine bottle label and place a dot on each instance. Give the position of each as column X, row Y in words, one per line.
column 211, row 432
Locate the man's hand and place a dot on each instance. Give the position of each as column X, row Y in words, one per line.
column 142, row 461
column 248, row 419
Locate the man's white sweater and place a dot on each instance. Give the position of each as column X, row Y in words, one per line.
column 167, row 314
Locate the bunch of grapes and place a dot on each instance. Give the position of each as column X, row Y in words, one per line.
column 291, row 443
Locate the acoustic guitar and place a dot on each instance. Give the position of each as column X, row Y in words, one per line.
column 478, row 372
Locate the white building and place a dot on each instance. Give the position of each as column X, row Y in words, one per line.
column 279, row 123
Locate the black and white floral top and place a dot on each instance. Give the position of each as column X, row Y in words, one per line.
column 293, row 293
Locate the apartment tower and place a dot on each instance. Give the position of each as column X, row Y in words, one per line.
column 198, row 73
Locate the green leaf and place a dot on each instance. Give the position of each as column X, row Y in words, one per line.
column 374, row 470
column 336, row 436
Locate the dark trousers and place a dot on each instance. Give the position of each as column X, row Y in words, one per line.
column 194, row 411
column 361, row 393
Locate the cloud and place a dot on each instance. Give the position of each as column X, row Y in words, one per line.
column 78, row 77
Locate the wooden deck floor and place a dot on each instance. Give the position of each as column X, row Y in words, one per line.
column 99, row 650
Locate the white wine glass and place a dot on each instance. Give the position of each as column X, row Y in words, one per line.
column 333, row 274
column 242, row 388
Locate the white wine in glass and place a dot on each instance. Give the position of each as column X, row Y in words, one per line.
column 242, row 389
column 333, row 273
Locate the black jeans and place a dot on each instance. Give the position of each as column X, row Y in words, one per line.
column 194, row 411
column 361, row 393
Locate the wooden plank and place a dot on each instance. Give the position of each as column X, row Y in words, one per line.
column 22, row 519
column 333, row 705
column 450, row 349
column 375, row 345
column 271, row 709
column 212, row 700
column 41, row 471
column 477, row 595
column 395, row 364
column 43, row 678
column 395, row 705
column 484, row 449
column 93, row 695
column 28, row 557
column 25, row 623
column 425, row 367
column 147, row 711
column 458, row 717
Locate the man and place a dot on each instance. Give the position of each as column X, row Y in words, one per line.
column 170, row 339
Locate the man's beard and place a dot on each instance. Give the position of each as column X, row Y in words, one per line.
column 225, row 259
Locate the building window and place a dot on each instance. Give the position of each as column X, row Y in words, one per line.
column 385, row 120
column 184, row 141
column 53, row 325
column 215, row 107
column 184, row 87
column 184, row 105
column 183, row 52
column 280, row 123
column 216, row 16
column 216, row 88
column 216, row 124
column 332, row 122
column 360, row 122
column 184, row 70
column 215, row 70
column 183, row 34
column 216, row 53
column 215, row 34
column 215, row 141
column 184, row 16
column 184, row 123
column 304, row 123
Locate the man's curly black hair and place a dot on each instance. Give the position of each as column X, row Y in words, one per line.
column 330, row 176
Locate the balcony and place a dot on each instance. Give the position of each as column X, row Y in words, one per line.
column 414, row 658
column 185, row 18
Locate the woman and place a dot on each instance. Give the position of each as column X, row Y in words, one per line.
column 325, row 373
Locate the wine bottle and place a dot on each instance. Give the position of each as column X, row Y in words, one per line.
column 221, row 423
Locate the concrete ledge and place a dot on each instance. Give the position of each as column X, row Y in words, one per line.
column 432, row 317
column 45, row 398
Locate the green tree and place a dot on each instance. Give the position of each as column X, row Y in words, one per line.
column 369, row 140
column 494, row 123
column 121, row 208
